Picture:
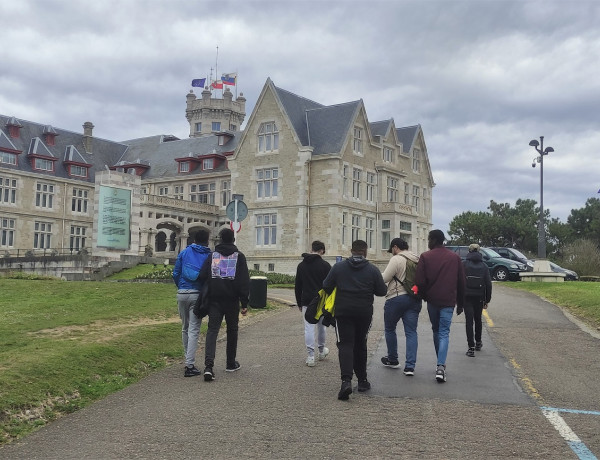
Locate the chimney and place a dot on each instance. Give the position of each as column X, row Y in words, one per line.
column 87, row 136
column 14, row 127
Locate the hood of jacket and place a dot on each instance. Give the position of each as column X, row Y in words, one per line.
column 226, row 248
column 199, row 249
column 310, row 258
column 357, row 262
column 475, row 256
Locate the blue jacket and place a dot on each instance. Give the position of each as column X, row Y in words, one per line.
column 194, row 256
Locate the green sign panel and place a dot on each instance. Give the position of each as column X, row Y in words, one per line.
column 114, row 216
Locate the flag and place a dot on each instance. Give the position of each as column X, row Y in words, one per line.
column 217, row 84
column 229, row 78
column 199, row 82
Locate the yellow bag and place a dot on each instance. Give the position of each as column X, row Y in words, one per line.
column 330, row 303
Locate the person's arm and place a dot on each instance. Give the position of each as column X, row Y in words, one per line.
column 392, row 268
column 177, row 269
column 329, row 282
column 460, row 285
column 380, row 287
column 298, row 288
column 244, row 282
column 488, row 286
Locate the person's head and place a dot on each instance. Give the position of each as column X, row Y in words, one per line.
column 359, row 248
column 318, row 247
column 435, row 238
column 227, row 236
column 397, row 245
column 473, row 247
column 201, row 237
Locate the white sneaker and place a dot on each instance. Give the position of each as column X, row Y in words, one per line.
column 323, row 354
column 310, row 361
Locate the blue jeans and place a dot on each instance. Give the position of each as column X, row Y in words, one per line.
column 441, row 319
column 408, row 309
column 190, row 325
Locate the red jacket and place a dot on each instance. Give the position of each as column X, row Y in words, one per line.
column 440, row 277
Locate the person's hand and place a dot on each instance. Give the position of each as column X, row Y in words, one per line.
column 244, row 311
column 485, row 306
column 459, row 310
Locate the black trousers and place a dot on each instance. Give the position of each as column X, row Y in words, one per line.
column 231, row 312
column 351, row 333
column 473, row 310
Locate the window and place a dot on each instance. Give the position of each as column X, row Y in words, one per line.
column 44, row 195
column 271, row 267
column 356, row 183
column 77, row 240
column 415, row 198
column 266, row 229
column 203, row 193
column 163, row 191
column 344, row 228
column 406, row 226
column 267, row 184
column 80, row 171
column 257, row 267
column 369, row 230
column 345, row 180
column 232, row 127
column 79, row 201
column 7, row 232
column 178, row 192
column 385, row 233
column 268, row 137
column 207, row 163
column 184, row 166
column 42, row 235
column 198, row 127
column 416, row 162
column 371, row 182
column 357, row 144
column 406, row 193
column 225, row 192
column 8, row 158
column 216, row 126
column 392, row 189
column 388, row 155
column 42, row 164
column 426, row 201
column 355, row 227
column 8, row 190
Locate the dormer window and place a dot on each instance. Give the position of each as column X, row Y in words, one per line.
column 79, row 171
column 184, row 166
column 42, row 164
column 207, row 163
column 8, row 158
column 388, row 155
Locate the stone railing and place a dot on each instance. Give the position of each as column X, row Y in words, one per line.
column 399, row 208
column 172, row 203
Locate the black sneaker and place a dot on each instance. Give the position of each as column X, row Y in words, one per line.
column 209, row 375
column 440, row 374
column 478, row 346
column 470, row 352
column 233, row 367
column 191, row 372
column 390, row 363
column 345, row 390
column 409, row 371
column 363, row 385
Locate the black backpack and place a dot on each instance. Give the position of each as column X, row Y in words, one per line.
column 474, row 282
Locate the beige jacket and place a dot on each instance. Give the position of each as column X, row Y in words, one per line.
column 397, row 266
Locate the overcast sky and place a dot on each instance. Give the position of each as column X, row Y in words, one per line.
column 481, row 77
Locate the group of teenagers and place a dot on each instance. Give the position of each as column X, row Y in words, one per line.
column 441, row 279
column 220, row 279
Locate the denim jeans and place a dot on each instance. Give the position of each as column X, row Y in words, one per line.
column 441, row 319
column 408, row 309
column 190, row 325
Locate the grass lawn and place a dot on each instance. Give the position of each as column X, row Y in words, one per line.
column 581, row 298
column 65, row 344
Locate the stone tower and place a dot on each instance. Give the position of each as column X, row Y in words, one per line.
column 209, row 115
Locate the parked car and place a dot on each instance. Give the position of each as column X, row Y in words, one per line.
column 514, row 254
column 501, row 269
column 570, row 275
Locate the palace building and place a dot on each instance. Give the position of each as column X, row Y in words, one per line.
column 305, row 170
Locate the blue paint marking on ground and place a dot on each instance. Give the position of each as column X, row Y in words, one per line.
column 572, row 411
column 582, row 452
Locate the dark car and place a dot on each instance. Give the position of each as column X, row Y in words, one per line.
column 570, row 275
column 501, row 269
column 514, row 254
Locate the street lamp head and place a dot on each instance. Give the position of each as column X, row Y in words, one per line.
column 534, row 143
column 547, row 150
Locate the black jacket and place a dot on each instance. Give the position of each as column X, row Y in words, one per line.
column 309, row 278
column 474, row 265
column 357, row 281
column 228, row 292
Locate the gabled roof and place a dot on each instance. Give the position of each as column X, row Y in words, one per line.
column 6, row 143
column 37, row 147
column 407, row 136
column 381, row 128
column 295, row 107
column 161, row 151
column 73, row 155
column 328, row 126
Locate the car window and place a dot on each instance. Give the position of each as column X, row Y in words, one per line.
column 488, row 252
column 463, row 251
column 504, row 252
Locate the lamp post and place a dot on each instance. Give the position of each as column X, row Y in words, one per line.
column 540, row 159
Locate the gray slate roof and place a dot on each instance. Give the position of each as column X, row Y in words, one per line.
column 407, row 136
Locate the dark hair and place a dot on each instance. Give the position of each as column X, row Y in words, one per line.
column 227, row 235
column 359, row 247
column 318, row 246
column 201, row 237
column 437, row 236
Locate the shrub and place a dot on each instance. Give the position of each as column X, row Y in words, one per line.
column 275, row 278
column 583, row 257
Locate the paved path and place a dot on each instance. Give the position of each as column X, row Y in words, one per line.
column 277, row 407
